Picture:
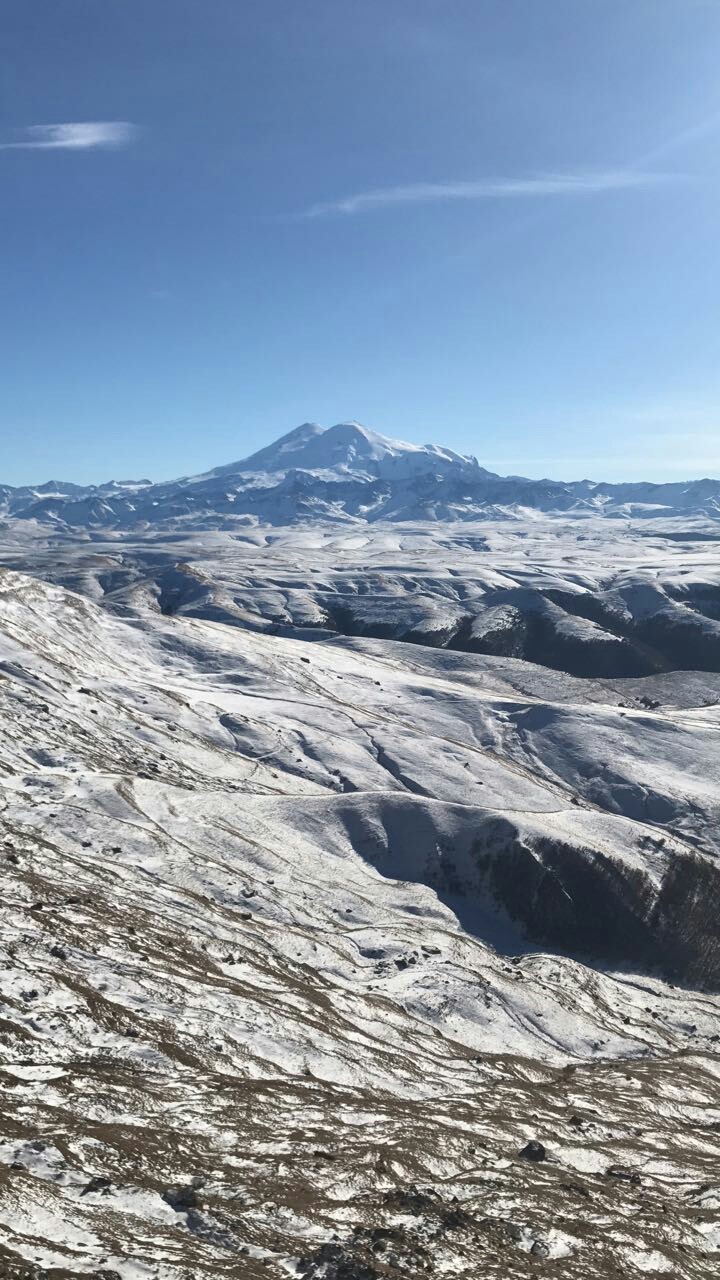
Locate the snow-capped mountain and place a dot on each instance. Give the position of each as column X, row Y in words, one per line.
column 348, row 448
column 347, row 473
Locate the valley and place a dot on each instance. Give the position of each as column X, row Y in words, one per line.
column 360, row 895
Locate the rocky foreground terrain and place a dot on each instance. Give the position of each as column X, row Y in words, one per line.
column 340, row 940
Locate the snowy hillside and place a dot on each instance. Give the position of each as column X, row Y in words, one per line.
column 348, row 474
column 591, row 597
column 308, row 932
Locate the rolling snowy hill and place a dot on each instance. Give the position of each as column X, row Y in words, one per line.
column 321, row 902
column 304, row 943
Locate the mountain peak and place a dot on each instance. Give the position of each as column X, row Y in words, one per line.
column 285, row 448
column 348, row 472
column 347, row 448
column 348, row 443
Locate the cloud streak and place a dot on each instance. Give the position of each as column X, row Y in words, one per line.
column 538, row 186
column 83, row 136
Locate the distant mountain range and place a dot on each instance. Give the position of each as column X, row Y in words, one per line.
column 347, row 473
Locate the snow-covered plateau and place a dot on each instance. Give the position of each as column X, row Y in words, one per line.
column 361, row 884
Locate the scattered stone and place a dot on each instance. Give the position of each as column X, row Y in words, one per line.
column 333, row 1262
column 533, row 1151
column 623, row 1174
column 411, row 1200
column 183, row 1198
column 577, row 1189
column 96, row 1184
column 454, row 1218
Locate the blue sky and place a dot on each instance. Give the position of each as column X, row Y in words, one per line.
column 488, row 223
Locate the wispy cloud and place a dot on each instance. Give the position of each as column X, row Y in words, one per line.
column 83, row 136
column 535, row 186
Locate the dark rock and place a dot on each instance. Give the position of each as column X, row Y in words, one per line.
column 576, row 1188
column 453, row 1219
column 411, row 1200
column 96, row 1184
column 620, row 1172
column 330, row 1252
column 333, row 1262
column 182, row 1198
column 533, row 1151
column 513, row 1231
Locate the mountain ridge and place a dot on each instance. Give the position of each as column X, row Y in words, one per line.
column 349, row 473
